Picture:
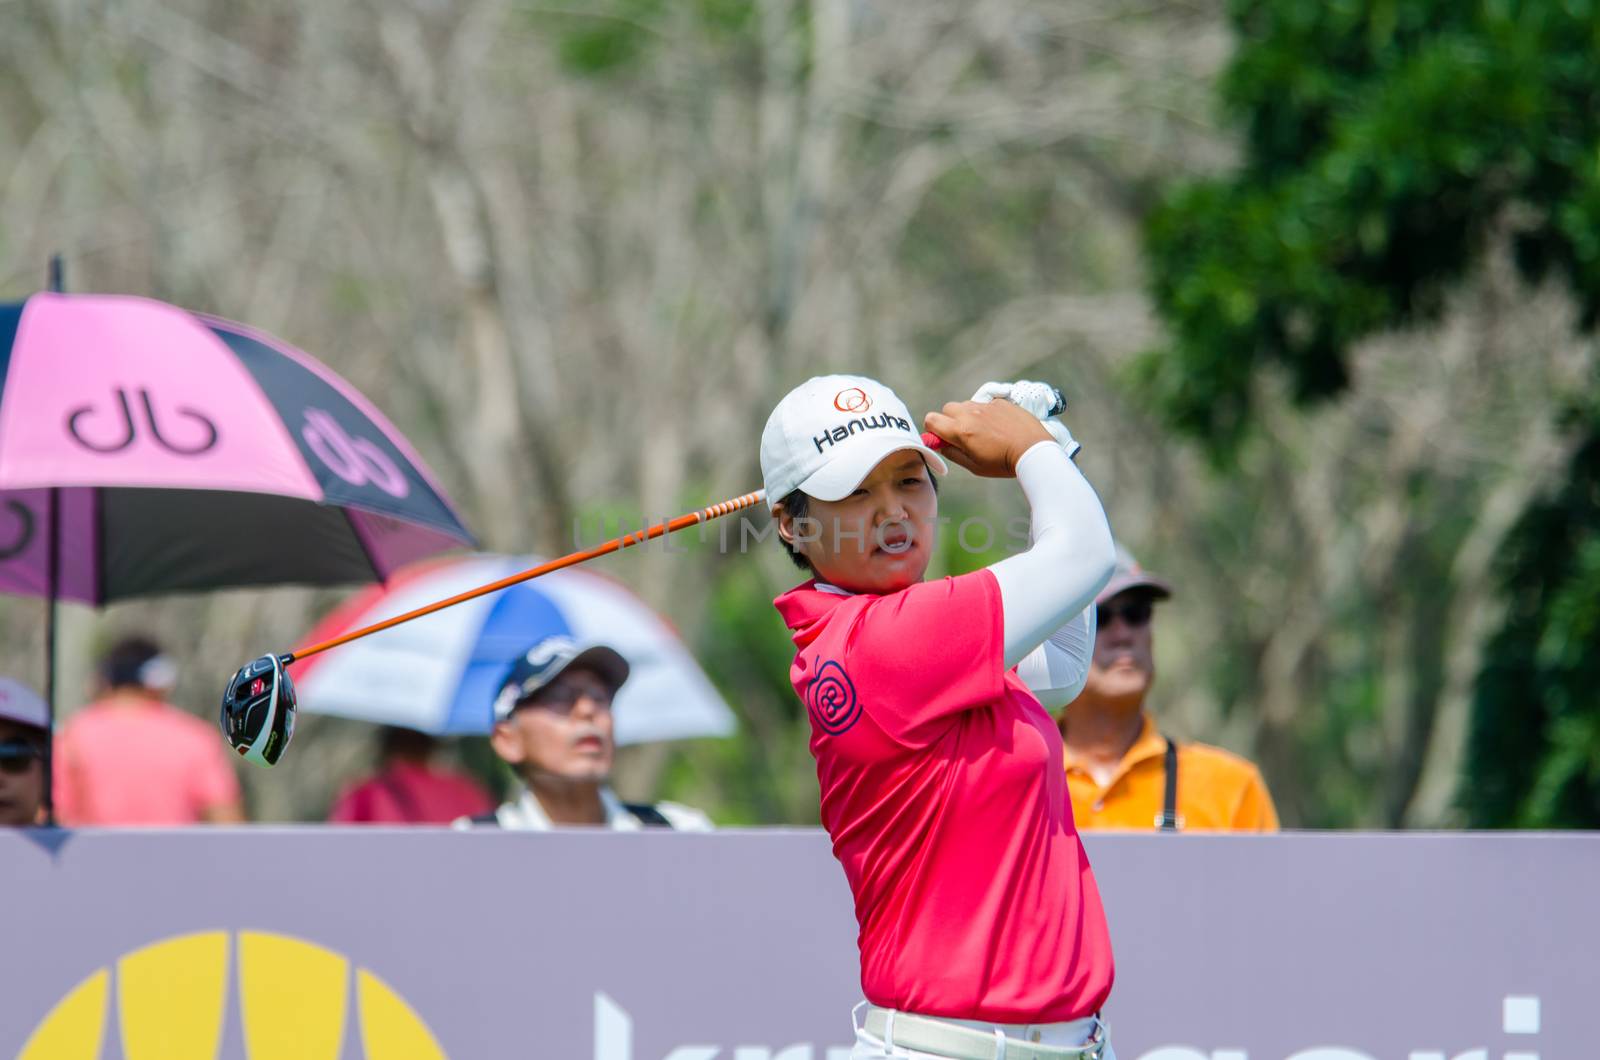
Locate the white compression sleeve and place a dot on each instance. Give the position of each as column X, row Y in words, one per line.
column 1057, row 670
column 1071, row 557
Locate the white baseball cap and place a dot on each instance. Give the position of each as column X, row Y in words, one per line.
column 21, row 704
column 828, row 433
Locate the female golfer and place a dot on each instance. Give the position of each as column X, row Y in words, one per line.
column 943, row 790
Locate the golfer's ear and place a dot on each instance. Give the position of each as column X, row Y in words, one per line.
column 785, row 522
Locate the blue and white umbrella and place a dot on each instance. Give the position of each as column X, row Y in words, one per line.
column 440, row 673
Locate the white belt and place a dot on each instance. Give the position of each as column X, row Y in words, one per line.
column 929, row 1034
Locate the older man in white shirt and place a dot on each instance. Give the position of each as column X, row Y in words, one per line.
column 553, row 726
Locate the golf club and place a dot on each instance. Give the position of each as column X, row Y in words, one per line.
column 258, row 705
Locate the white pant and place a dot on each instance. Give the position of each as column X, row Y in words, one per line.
column 1076, row 1032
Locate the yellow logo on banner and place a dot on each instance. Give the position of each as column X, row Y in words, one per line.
column 171, row 997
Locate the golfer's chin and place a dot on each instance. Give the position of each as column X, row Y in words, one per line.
column 885, row 570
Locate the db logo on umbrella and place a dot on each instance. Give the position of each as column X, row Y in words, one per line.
column 129, row 432
column 171, row 1000
column 355, row 460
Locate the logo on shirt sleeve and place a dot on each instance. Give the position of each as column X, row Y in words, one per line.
column 831, row 699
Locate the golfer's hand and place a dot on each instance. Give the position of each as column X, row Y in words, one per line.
column 1041, row 399
column 986, row 438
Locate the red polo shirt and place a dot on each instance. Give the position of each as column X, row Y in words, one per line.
column 408, row 793
column 943, row 792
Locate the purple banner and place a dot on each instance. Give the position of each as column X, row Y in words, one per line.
column 374, row 944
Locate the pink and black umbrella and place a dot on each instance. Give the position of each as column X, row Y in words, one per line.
column 145, row 449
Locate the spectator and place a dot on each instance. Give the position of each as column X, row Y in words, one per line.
column 132, row 758
column 23, row 733
column 1122, row 772
column 409, row 788
column 553, row 726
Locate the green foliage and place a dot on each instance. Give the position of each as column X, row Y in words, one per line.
column 1534, row 756
column 1385, row 145
column 1384, row 142
column 608, row 38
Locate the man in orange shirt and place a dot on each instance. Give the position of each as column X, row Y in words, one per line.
column 1122, row 772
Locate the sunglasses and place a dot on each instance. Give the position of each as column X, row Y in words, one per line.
column 17, row 755
column 1135, row 613
column 560, row 698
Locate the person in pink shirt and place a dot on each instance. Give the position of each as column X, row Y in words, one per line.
column 409, row 788
column 939, row 762
column 132, row 758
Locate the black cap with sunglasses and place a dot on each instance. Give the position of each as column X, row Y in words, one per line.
column 547, row 660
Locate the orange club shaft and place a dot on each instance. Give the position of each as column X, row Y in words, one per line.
column 616, row 544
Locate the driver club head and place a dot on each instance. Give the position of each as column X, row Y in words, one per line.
column 258, row 709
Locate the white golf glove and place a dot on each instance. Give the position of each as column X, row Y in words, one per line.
column 1041, row 399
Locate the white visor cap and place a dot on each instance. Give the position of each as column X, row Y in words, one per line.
column 828, row 433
